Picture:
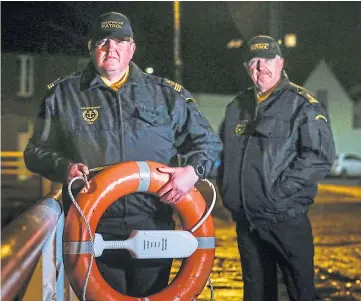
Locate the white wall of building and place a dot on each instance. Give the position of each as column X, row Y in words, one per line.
column 213, row 106
column 340, row 108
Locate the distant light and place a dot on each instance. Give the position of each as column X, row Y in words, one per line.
column 149, row 70
column 235, row 43
column 6, row 250
column 279, row 41
column 290, row 40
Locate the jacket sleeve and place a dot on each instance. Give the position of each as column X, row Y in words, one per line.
column 44, row 152
column 196, row 141
column 315, row 155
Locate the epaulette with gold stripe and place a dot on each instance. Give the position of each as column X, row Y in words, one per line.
column 60, row 79
column 173, row 85
column 304, row 92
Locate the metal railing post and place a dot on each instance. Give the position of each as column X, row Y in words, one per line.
column 22, row 242
column 59, row 259
column 49, row 268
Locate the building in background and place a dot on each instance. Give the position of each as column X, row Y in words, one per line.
column 344, row 109
column 355, row 94
column 24, row 81
column 213, row 106
column 24, row 86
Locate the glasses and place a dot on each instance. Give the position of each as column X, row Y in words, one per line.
column 118, row 42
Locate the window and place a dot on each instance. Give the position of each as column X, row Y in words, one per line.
column 25, row 65
column 322, row 97
column 352, row 157
column 357, row 114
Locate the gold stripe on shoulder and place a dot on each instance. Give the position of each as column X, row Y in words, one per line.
column 321, row 116
column 60, row 79
column 310, row 98
column 304, row 92
column 177, row 87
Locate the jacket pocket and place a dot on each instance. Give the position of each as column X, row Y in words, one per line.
column 282, row 189
column 272, row 127
column 153, row 127
column 157, row 117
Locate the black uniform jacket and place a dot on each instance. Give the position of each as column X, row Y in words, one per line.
column 149, row 118
column 275, row 152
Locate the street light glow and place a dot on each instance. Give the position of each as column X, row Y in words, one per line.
column 290, row 40
column 235, row 43
column 149, row 70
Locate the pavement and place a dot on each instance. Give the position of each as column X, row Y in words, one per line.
column 336, row 223
column 350, row 181
column 349, row 187
column 353, row 191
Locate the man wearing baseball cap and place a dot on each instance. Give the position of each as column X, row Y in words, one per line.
column 111, row 25
column 284, row 148
column 113, row 112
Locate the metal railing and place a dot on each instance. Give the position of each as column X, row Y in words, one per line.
column 35, row 235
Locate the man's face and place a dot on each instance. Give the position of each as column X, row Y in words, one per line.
column 112, row 55
column 265, row 72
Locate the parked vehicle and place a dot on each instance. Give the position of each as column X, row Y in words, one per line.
column 347, row 164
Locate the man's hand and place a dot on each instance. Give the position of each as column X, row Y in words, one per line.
column 182, row 180
column 77, row 170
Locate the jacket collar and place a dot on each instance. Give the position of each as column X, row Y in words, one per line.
column 284, row 83
column 90, row 78
column 136, row 76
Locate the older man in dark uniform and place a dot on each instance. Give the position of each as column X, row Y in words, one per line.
column 278, row 145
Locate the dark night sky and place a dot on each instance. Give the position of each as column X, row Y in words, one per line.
column 329, row 30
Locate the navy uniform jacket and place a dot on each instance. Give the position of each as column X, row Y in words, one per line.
column 275, row 153
column 149, row 118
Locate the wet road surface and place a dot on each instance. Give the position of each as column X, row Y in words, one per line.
column 336, row 221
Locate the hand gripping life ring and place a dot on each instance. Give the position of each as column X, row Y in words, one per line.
column 106, row 187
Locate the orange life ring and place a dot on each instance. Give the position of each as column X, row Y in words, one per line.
column 106, row 187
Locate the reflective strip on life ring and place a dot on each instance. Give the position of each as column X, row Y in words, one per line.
column 105, row 188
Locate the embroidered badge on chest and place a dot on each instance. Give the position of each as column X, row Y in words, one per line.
column 240, row 128
column 90, row 114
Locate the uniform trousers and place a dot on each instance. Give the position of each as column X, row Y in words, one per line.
column 288, row 244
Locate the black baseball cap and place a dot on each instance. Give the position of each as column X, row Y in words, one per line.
column 262, row 46
column 111, row 24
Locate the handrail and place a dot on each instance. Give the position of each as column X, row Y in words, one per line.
column 22, row 242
